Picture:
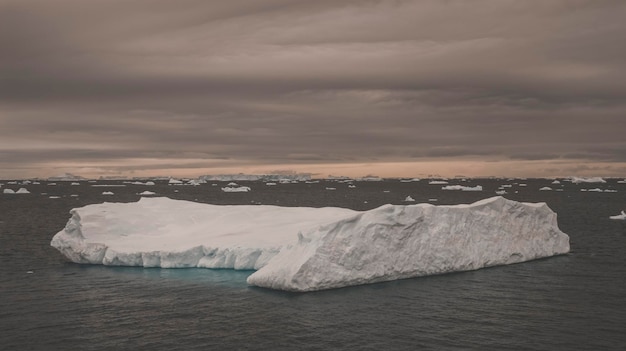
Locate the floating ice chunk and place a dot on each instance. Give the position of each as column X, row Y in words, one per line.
column 8, row 191
column 330, row 188
column 621, row 216
column 146, row 193
column 556, row 182
column 173, row 181
column 501, row 192
column 595, row 190
column 22, row 191
column 409, row 199
column 232, row 184
column 270, row 184
column 75, row 183
column 545, row 188
column 463, row 188
column 107, row 193
column 351, row 186
column 577, row 180
column 54, row 197
column 240, row 189
column 438, row 182
column 397, row 242
column 622, row 181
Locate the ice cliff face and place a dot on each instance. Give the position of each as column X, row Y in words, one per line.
column 397, row 242
column 305, row 249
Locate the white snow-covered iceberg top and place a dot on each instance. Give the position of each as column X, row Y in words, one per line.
column 305, row 249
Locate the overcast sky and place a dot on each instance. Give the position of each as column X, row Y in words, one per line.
column 393, row 88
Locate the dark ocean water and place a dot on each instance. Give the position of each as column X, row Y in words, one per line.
column 572, row 302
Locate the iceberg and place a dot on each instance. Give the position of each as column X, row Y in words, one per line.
column 621, row 216
column 239, row 189
column 578, row 180
column 306, row 249
column 161, row 232
column 463, row 188
column 397, row 242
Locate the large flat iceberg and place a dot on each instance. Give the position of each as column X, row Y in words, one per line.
column 306, row 249
column 161, row 232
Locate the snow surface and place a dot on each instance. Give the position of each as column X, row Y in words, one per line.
column 621, row 216
column 397, row 242
column 305, row 249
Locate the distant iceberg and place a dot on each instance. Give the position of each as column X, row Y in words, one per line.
column 578, row 180
column 305, row 249
column 236, row 189
column 463, row 188
column 19, row 191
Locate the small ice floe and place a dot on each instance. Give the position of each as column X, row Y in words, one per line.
column 622, row 181
column 54, row 197
column 270, row 184
column 232, row 184
column 173, row 181
column 328, row 188
column 52, row 184
column 75, row 183
column 241, row 189
column 621, row 216
column 386, row 191
column 501, row 192
column 107, row 193
column 19, row 191
column 463, row 188
column 556, row 182
column 438, row 182
column 146, row 193
column 30, row 272
column 545, row 188
column 351, row 186
column 409, row 199
column 598, row 190
column 74, row 195
column 522, row 184
column 432, row 200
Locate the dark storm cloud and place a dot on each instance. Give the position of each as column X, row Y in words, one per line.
column 307, row 81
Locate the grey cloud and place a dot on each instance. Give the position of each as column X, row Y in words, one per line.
column 285, row 81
